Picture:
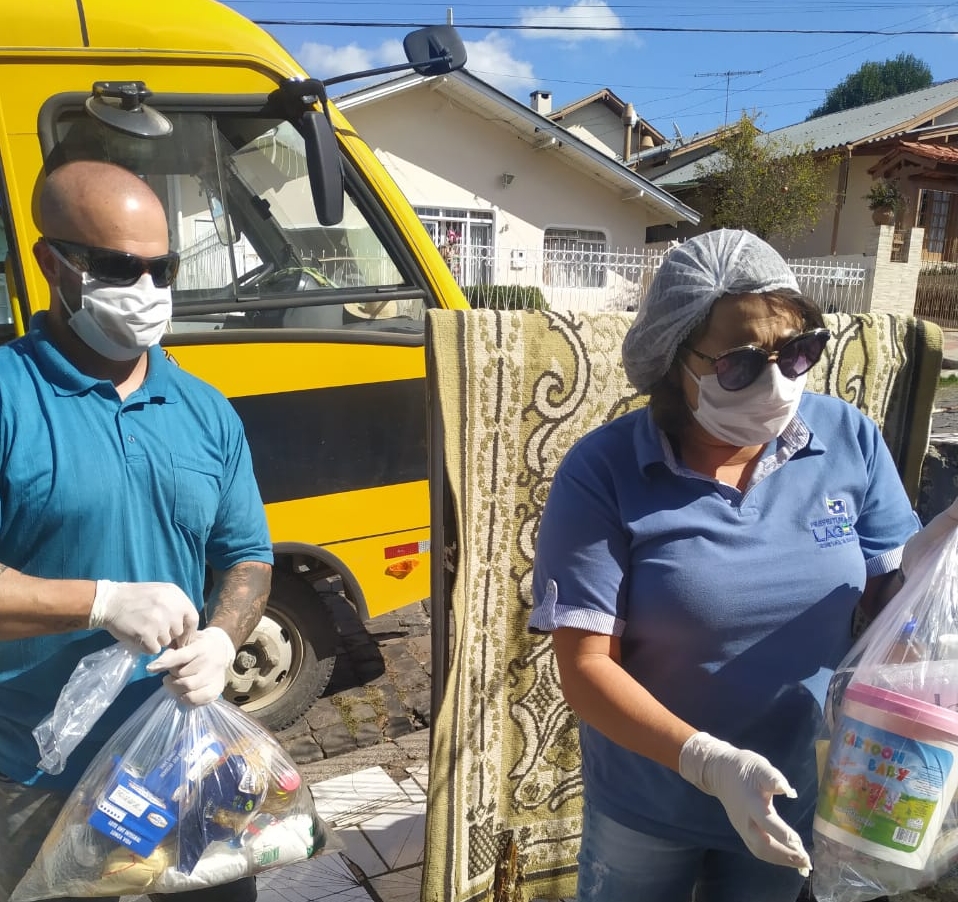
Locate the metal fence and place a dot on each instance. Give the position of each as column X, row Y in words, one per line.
column 562, row 279
column 936, row 297
column 617, row 280
column 206, row 263
column 837, row 287
column 514, row 278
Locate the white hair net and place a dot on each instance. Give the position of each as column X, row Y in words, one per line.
column 691, row 278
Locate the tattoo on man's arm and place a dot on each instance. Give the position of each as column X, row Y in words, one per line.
column 240, row 598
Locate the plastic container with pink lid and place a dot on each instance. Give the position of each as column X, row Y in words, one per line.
column 891, row 774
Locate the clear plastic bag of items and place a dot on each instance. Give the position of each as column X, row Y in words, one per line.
column 886, row 820
column 181, row 798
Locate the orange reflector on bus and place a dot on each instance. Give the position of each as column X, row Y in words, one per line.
column 401, row 569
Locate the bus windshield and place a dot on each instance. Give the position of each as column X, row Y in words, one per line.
column 252, row 252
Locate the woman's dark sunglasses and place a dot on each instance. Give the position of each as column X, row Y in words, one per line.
column 740, row 367
column 117, row 267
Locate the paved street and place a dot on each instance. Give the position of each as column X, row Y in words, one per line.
column 944, row 419
column 376, row 707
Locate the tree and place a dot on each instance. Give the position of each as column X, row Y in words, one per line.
column 765, row 185
column 876, row 81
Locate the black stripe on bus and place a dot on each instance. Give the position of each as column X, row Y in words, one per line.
column 322, row 441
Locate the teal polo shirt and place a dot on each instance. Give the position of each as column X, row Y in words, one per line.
column 733, row 608
column 91, row 487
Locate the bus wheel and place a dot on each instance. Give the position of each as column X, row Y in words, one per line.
column 288, row 659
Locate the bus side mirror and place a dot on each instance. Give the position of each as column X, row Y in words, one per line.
column 435, row 50
column 325, row 167
column 323, row 162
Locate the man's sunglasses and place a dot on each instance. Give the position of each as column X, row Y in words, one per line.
column 740, row 367
column 117, row 267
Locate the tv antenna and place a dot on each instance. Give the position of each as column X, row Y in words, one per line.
column 728, row 76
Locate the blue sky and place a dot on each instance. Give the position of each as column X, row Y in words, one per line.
column 668, row 76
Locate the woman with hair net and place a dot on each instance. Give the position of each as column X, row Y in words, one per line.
column 698, row 564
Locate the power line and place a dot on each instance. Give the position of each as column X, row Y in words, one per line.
column 869, row 38
column 728, row 75
column 730, row 10
column 873, row 44
column 655, row 29
column 831, row 6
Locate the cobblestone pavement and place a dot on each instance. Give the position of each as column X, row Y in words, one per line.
column 377, row 698
column 944, row 418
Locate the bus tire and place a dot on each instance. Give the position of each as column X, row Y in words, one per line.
column 288, row 659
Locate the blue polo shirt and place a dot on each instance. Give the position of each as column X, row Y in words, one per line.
column 91, row 487
column 733, row 608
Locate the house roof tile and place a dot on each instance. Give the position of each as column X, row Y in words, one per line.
column 857, row 126
column 936, row 152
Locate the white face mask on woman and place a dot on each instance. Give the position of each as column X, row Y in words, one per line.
column 753, row 415
column 120, row 322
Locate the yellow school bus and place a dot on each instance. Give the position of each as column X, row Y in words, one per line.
column 303, row 283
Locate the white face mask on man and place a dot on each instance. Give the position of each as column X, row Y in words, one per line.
column 119, row 322
column 753, row 415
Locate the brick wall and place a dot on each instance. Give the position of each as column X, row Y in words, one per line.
column 893, row 283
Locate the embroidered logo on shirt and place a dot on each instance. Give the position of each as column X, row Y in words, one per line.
column 836, row 529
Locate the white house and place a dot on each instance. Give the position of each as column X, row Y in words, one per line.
column 510, row 196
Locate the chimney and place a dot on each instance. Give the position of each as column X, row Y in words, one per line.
column 629, row 120
column 541, row 102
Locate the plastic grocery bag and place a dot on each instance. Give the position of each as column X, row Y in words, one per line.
column 98, row 679
column 886, row 820
column 181, row 798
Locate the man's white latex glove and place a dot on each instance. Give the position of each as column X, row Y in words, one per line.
column 197, row 672
column 745, row 782
column 146, row 615
column 933, row 535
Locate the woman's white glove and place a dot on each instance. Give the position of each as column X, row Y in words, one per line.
column 932, row 536
column 148, row 616
column 197, row 672
column 745, row 782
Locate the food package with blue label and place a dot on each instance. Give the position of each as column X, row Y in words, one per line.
column 128, row 813
column 181, row 798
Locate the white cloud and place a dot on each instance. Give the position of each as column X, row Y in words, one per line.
column 325, row 61
column 592, row 13
column 492, row 60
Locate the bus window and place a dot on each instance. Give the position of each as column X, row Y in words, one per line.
column 238, row 199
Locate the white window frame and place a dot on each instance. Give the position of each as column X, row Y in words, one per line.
column 574, row 258
column 470, row 263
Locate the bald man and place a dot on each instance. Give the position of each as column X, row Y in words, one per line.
column 121, row 476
